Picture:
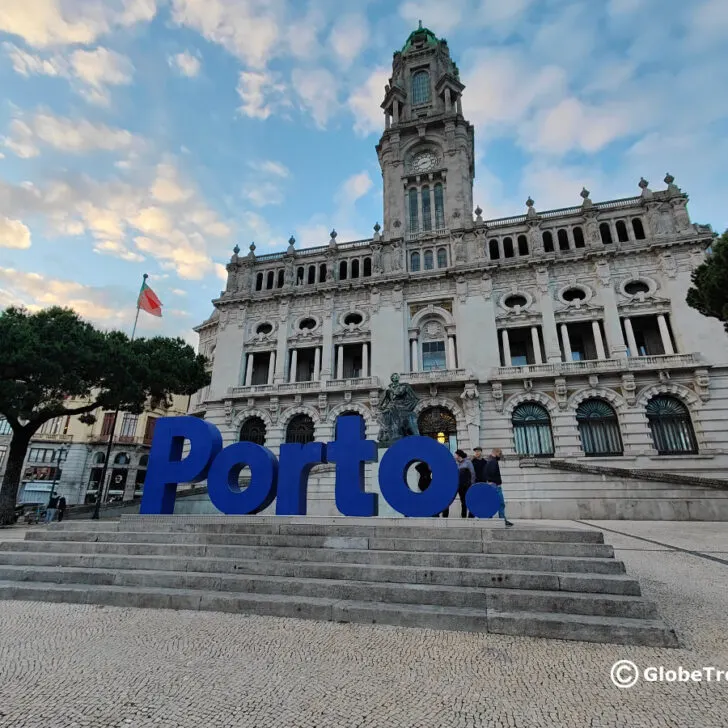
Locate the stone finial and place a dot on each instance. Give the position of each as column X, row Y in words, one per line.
column 585, row 197
column 531, row 212
column 291, row 245
column 669, row 179
column 478, row 214
column 672, row 188
column 377, row 227
column 236, row 249
column 251, row 254
column 530, row 202
column 333, row 234
column 419, row 27
column 643, row 184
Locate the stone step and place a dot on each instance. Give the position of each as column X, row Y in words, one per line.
column 533, row 580
column 508, row 562
column 397, row 592
column 475, row 545
column 588, row 628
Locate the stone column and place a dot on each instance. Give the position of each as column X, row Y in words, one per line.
column 433, row 220
column 566, row 343
column 452, row 358
column 327, row 329
column 365, row 359
column 395, row 109
column 612, row 327
column 597, row 330
column 249, row 370
column 507, row 361
column 340, row 361
column 631, row 341
column 536, row 345
column 294, row 366
column 665, row 334
column 317, row 364
column 448, row 100
column 271, row 367
column 282, row 347
column 413, row 348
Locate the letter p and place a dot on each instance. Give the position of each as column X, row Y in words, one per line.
column 167, row 468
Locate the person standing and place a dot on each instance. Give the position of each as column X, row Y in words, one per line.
column 479, row 463
column 61, row 508
column 425, row 476
column 492, row 476
column 52, row 509
column 466, row 477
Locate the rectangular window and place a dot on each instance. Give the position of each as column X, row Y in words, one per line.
column 5, row 428
column 129, row 425
column 149, row 430
column 519, row 353
column 439, row 208
column 433, row 355
column 41, row 455
column 107, row 424
column 52, row 427
column 414, row 218
column 426, row 211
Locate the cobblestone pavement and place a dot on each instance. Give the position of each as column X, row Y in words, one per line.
column 64, row 666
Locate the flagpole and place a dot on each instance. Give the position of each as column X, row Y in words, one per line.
column 102, row 481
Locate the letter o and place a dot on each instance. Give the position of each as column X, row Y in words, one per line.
column 393, row 470
column 222, row 479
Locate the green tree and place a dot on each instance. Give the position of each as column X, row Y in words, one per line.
column 52, row 356
column 709, row 294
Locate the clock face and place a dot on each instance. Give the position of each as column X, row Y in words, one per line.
column 424, row 161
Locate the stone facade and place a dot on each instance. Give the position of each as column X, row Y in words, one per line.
column 509, row 329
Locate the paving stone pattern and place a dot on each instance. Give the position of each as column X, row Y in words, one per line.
column 64, row 666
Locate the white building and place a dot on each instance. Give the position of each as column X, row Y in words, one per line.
column 560, row 333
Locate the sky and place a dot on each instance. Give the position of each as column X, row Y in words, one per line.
column 151, row 136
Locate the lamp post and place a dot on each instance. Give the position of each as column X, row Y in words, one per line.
column 60, row 459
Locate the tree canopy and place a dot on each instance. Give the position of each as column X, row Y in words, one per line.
column 51, row 357
column 709, row 293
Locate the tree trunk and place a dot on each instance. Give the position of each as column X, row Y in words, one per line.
column 13, row 473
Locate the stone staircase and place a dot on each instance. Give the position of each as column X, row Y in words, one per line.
column 454, row 575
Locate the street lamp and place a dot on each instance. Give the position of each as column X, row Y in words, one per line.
column 60, row 458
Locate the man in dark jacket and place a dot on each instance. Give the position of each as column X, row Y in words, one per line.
column 61, row 508
column 492, row 476
column 466, row 477
column 479, row 463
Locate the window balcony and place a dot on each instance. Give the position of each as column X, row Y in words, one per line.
column 331, row 385
column 52, row 437
column 595, row 366
column 437, row 375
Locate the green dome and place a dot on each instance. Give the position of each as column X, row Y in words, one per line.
column 429, row 36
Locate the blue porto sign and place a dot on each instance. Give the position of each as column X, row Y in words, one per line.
column 285, row 480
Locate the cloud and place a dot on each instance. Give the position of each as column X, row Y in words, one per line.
column 99, row 68
column 186, row 63
column 316, row 88
column 118, row 250
column 349, row 36
column 167, row 187
column 260, row 93
column 46, row 23
column 73, row 136
column 249, row 29
column 441, row 17
column 268, row 166
column 365, row 102
column 263, row 193
column 354, row 188
column 13, row 234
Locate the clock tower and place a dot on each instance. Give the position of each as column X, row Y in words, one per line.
column 426, row 151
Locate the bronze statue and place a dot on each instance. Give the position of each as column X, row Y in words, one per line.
column 397, row 412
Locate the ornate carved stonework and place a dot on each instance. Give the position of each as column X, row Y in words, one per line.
column 629, row 389
column 323, row 405
column 561, row 392
column 702, row 384
column 471, row 408
column 497, row 391
column 486, row 286
column 228, row 405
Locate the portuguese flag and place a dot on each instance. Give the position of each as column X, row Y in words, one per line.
column 148, row 300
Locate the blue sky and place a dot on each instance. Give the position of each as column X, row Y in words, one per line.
column 151, row 136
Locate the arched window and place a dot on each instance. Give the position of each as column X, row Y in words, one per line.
column 639, row 230
column 420, row 88
column 355, row 268
column 578, row 237
column 548, row 242
column 493, row 249
column 671, row 427
column 300, row 429
column 259, row 282
column 442, row 258
column 606, row 232
column 299, row 275
column 429, row 260
column 122, row 459
column 598, row 428
column 367, row 267
column 281, row 278
column 426, row 211
column 269, row 280
column 415, row 262
column 342, row 270
column 144, row 461
column 253, row 430
column 311, row 274
column 439, row 208
column 508, row 251
column 563, row 237
column 322, row 273
column 522, row 245
column 622, row 235
column 413, row 213
column 532, row 430
column 99, row 458
column 439, row 424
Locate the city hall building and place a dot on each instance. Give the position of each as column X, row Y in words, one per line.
column 561, row 336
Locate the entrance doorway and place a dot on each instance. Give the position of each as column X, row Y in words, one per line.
column 439, row 424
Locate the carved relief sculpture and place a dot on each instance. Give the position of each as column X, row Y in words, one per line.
column 471, row 407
